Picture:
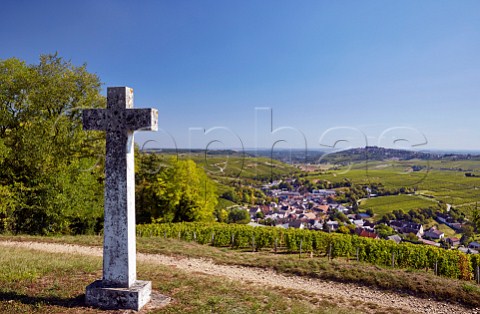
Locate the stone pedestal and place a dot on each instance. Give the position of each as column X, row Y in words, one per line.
column 104, row 297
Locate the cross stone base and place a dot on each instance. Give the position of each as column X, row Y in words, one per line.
column 133, row 298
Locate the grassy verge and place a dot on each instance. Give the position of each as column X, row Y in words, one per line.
column 39, row 282
column 419, row 283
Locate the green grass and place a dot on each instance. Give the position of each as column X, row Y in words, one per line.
column 386, row 204
column 420, row 283
column 39, row 282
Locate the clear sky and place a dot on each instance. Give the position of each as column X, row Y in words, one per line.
column 375, row 71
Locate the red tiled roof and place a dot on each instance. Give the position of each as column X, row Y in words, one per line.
column 368, row 234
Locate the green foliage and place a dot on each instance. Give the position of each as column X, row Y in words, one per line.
column 49, row 180
column 173, row 192
column 238, row 216
column 450, row 263
column 384, row 231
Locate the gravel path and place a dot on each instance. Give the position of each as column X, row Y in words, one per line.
column 346, row 295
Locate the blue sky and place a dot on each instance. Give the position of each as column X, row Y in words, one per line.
column 330, row 71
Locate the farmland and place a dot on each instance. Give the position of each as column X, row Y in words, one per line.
column 438, row 180
column 386, row 204
column 432, row 180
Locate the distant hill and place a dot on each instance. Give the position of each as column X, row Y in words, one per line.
column 373, row 153
column 296, row 156
column 382, row 153
column 378, row 154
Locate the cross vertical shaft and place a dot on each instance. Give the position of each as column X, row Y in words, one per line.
column 119, row 261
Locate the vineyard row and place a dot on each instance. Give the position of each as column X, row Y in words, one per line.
column 448, row 263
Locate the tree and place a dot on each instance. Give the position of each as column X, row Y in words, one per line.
column 384, row 231
column 387, row 218
column 179, row 191
column 468, row 233
column 260, row 215
column 238, row 216
column 476, row 218
column 51, row 177
column 411, row 237
column 343, row 229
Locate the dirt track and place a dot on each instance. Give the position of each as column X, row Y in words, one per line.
column 345, row 295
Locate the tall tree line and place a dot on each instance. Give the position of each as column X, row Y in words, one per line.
column 51, row 170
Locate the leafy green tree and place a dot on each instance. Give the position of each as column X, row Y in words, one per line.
column 230, row 195
column 51, row 178
column 411, row 237
column 343, row 229
column 238, row 216
column 476, row 218
column 260, row 215
column 179, row 191
column 384, row 231
column 387, row 217
column 468, row 233
column 221, row 215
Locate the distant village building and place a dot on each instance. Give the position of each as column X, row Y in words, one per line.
column 453, row 241
column 324, row 193
column 428, row 242
column 434, row 233
column 406, row 227
column 467, row 250
column 474, row 245
column 332, row 225
column 367, row 234
column 395, row 238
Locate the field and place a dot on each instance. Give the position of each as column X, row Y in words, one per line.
column 226, row 168
column 386, row 204
column 440, row 180
column 237, row 166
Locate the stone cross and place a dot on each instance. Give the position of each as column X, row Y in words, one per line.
column 119, row 288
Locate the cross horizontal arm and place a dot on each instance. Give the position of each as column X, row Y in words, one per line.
column 118, row 120
column 141, row 119
column 94, row 119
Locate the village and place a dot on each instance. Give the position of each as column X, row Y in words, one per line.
column 318, row 210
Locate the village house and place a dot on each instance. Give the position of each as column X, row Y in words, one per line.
column 369, row 226
column 434, row 233
column 474, row 245
column 357, row 222
column 406, row 227
column 332, row 226
column 325, row 193
column 340, row 208
column 395, row 238
column 253, row 212
column 297, row 224
column 366, row 234
column 453, row 241
column 317, row 225
column 428, row 242
column 322, row 208
column 467, row 250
